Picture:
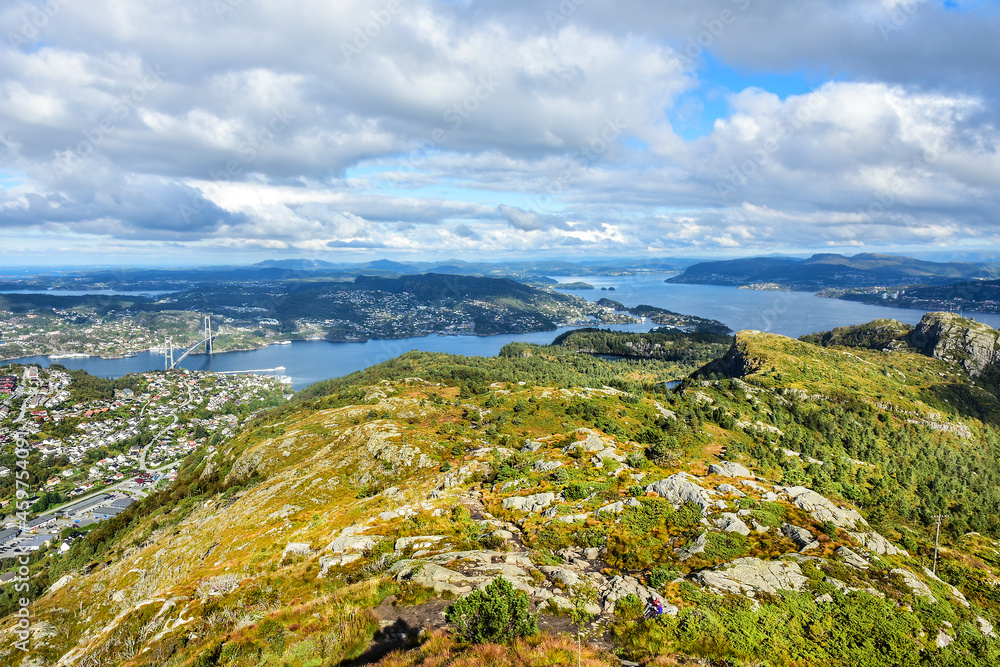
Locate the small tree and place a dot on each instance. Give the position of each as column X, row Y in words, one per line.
column 499, row 614
column 584, row 595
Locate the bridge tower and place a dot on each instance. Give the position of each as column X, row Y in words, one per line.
column 208, row 334
column 168, row 354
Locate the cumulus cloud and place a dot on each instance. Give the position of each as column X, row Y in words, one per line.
column 514, row 125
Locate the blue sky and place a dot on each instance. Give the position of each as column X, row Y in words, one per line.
column 137, row 133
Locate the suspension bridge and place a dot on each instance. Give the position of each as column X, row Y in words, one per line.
column 168, row 348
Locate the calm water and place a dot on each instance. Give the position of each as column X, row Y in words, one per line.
column 90, row 292
column 787, row 313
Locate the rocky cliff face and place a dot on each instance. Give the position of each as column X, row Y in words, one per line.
column 946, row 336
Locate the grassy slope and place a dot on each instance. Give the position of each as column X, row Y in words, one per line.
column 298, row 477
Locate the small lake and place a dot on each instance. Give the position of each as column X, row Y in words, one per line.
column 788, row 313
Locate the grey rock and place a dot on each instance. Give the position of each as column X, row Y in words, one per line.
column 418, row 542
column 296, row 549
column 943, row 639
column 351, row 543
column 749, row 575
column 619, row 507
column 800, row 536
column 731, row 523
column 852, row 558
column 973, row 345
column 562, row 575
column 985, row 627
column 917, row 586
column 532, row 446
column 546, row 466
column 679, row 489
column 729, row 469
column 877, row 544
column 693, row 548
column 822, row 509
column 572, row 518
column 531, row 504
column 729, row 489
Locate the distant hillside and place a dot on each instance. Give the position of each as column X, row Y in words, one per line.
column 832, row 270
column 973, row 295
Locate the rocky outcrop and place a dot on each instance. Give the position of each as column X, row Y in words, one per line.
column 531, row 504
column 877, row 544
column 821, row 509
column 729, row 469
column 679, row 489
column 750, row 575
column 803, row 539
column 738, row 362
column 917, row 586
column 731, row 523
column 946, row 336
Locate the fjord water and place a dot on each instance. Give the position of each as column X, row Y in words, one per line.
column 787, row 313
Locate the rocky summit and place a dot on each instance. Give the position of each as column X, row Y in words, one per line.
column 780, row 504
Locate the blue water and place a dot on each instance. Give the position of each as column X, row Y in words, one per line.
column 787, row 313
column 89, row 292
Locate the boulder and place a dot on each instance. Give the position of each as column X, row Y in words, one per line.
column 572, row 518
column 852, row 558
column 917, row 586
column 750, row 575
column 350, row 543
column 531, row 446
column 296, row 549
column 438, row 577
column 63, row 580
column 327, row 562
column 729, row 489
column 531, row 504
column 985, row 627
column 822, row 509
column 803, row 539
column 731, row 523
column 620, row 506
column 729, row 469
column 693, row 548
column 547, row 466
column 561, row 575
column 680, row 489
column 877, row 544
column 418, row 542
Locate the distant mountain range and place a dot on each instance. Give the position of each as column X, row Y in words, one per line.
column 823, row 271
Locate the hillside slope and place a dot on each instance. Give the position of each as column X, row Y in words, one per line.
column 780, row 503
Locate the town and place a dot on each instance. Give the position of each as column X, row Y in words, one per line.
column 96, row 445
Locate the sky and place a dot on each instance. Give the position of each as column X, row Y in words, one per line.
column 141, row 132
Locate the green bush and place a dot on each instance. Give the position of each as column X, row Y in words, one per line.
column 575, row 491
column 497, row 615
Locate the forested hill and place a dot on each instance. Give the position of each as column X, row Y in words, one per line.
column 781, row 503
column 832, row 270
